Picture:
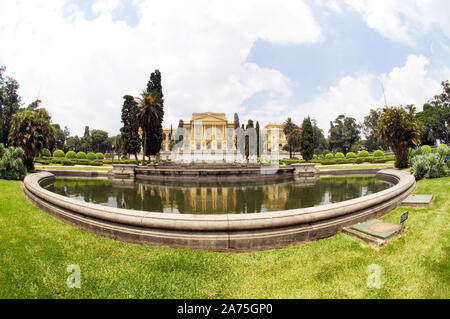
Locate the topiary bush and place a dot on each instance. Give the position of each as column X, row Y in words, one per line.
column 99, row 156
column 378, row 153
column 81, row 155
column 107, row 155
column 329, row 156
column 58, row 154
column 363, row 154
column 45, row 152
column 339, row 155
column 351, row 155
column 426, row 149
column 11, row 163
column 71, row 155
column 91, row 156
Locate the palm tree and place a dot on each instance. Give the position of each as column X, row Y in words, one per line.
column 149, row 115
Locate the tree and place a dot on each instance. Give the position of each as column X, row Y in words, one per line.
column 130, row 130
column 320, row 141
column 436, row 118
column 151, row 115
column 307, row 140
column 400, row 128
column 257, row 140
column 288, row 128
column 117, row 142
column 344, row 133
column 60, row 138
column 10, row 103
column 86, row 140
column 369, row 127
column 247, row 139
column 73, row 144
column 31, row 130
column 100, row 142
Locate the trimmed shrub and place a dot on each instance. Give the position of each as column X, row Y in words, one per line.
column 99, row 156
column 378, row 153
column 328, row 162
column 67, row 162
column 46, row 153
column 82, row 161
column 11, row 163
column 95, row 163
column 329, row 156
column 81, row 155
column 107, row 155
column 351, row 155
column 71, row 155
column 315, row 157
column 426, row 149
column 91, row 156
column 58, row 154
column 363, row 154
column 339, row 155
column 379, row 160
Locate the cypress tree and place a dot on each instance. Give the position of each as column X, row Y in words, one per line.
column 130, row 129
column 307, row 140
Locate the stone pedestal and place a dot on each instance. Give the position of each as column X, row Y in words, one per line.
column 123, row 171
column 304, row 169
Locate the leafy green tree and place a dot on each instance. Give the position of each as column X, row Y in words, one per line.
column 436, row 118
column 130, row 130
column 60, row 138
column 320, row 141
column 288, row 129
column 369, row 127
column 400, row 128
column 307, row 140
column 10, row 103
column 31, row 130
column 73, row 143
column 344, row 133
column 100, row 141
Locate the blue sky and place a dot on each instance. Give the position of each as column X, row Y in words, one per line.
column 266, row 60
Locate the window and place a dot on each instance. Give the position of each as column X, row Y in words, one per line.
column 198, row 146
column 208, row 145
column 219, row 145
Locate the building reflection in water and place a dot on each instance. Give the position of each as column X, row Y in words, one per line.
column 217, row 197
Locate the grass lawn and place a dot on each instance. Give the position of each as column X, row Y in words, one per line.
column 36, row 249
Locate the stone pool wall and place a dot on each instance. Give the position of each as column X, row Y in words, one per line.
column 228, row 232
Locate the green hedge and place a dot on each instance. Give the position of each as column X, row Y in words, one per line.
column 289, row 161
column 58, row 153
column 81, row 155
column 71, row 155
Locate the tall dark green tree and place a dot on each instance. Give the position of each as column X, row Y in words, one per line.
column 86, row 140
column 130, row 130
column 257, row 140
column 151, row 115
column 100, row 141
column 60, row 138
column 307, row 140
column 288, row 128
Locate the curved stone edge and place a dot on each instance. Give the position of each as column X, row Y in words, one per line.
column 220, row 232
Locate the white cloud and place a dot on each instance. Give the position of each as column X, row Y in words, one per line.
column 81, row 69
column 355, row 95
column 404, row 21
column 101, row 6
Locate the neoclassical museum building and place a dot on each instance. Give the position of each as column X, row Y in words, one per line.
column 211, row 137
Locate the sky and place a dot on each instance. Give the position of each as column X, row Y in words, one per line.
column 266, row 60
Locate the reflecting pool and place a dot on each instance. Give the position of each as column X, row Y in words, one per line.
column 217, row 197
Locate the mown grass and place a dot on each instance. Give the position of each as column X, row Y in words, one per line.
column 35, row 250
